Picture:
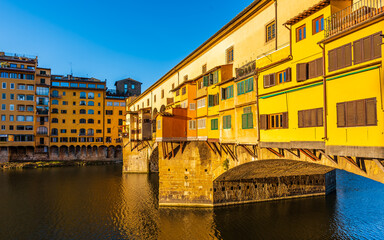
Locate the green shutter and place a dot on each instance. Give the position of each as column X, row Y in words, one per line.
column 205, row 81
column 250, row 120
column 229, row 125
column 230, row 92
column 250, row 84
column 244, row 121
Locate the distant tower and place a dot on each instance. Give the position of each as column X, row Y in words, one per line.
column 128, row 87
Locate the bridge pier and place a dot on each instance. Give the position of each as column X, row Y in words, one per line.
column 138, row 156
column 195, row 174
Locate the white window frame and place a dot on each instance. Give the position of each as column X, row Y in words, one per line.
column 201, row 123
column 192, row 124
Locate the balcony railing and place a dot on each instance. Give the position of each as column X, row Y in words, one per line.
column 353, row 15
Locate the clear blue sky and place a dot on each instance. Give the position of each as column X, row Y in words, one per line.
column 112, row 39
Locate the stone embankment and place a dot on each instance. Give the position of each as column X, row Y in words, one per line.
column 49, row 164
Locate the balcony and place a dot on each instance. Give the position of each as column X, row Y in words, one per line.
column 353, row 15
column 42, row 112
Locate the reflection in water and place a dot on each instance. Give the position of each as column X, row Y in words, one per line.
column 100, row 202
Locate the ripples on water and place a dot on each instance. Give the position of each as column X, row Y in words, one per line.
column 100, row 202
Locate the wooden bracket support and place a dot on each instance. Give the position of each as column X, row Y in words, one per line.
column 294, row 154
column 275, row 152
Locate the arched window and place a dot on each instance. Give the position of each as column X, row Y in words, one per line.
column 82, row 111
column 54, row 132
column 82, row 103
column 55, row 120
column 55, row 110
column 82, row 120
column 91, row 103
column 55, row 102
column 90, row 111
column 91, row 95
column 82, row 132
column 42, row 130
column 55, row 93
column 91, row 120
column 90, row 132
column 83, row 95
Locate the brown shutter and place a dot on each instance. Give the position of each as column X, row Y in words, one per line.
column 319, row 67
column 272, row 80
column 340, row 115
column 307, row 118
column 339, row 57
column 301, row 72
column 377, row 42
column 350, row 113
column 313, row 113
column 319, row 117
column 357, row 51
column 312, row 69
column 266, row 81
column 360, row 110
column 367, row 48
column 288, row 73
column 301, row 119
column 371, row 112
column 285, row 119
column 347, row 55
column 263, row 121
column 332, row 60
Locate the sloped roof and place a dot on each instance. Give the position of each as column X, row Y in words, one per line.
column 308, row 12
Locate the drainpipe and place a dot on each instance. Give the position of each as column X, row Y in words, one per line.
column 324, row 96
column 276, row 24
column 290, row 39
column 257, row 104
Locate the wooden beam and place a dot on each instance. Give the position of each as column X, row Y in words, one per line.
column 248, row 150
column 275, row 152
column 379, row 164
column 231, row 153
column 334, row 160
column 217, row 149
column 294, row 154
column 350, row 159
column 309, row 154
column 209, row 145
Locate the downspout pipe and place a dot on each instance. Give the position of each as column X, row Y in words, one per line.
column 276, row 24
column 325, row 113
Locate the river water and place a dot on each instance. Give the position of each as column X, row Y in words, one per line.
column 99, row 202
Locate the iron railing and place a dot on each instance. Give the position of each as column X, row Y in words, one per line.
column 353, row 15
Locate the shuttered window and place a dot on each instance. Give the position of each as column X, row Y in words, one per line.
column 340, row 57
column 192, row 124
column 240, row 88
column 227, row 92
column 184, row 90
column 213, row 100
column 269, row 80
column 357, row 113
column 310, row 118
column 315, row 68
column 274, row 121
column 214, row 124
column 368, row 48
column 201, row 123
column 247, row 118
column 301, row 72
column 227, row 122
column 205, row 81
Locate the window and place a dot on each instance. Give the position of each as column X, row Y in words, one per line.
column 229, row 55
column 91, row 95
column 109, row 121
column 270, row 31
column 125, row 88
column 310, row 118
column 109, row 112
column 3, row 107
column 154, row 98
column 82, row 120
column 73, row 131
column 21, row 97
column 247, row 118
column 74, row 85
column 63, row 131
column 74, row 103
column 20, row 128
column 201, row 123
column 82, row 103
column 200, row 103
column 227, row 122
column 214, row 124
column 21, row 86
column 3, row 96
column 192, row 106
column 108, row 130
column 30, row 87
column 162, row 93
column 12, row 86
column 20, row 118
column 3, row 118
column 367, row 48
column 109, row 104
column 64, row 111
column 120, row 122
column 227, row 93
column 82, row 132
column 213, row 100
column 90, row 111
column 204, row 68
column 340, row 57
column 158, row 124
column 55, row 110
column 192, row 124
column 91, row 132
column 91, row 120
column 11, row 107
column 82, row 85
column 91, row 103
column 11, row 118
column 91, row 86
column 42, row 91
column 65, row 102
column 20, row 107
column 278, row 78
column 116, row 104
column 55, row 102
column 177, row 92
column 30, row 97
column 120, row 112
column 83, row 95
column 29, row 108
column 357, row 113
column 318, row 24
column 4, row 85
column 300, row 33
column 184, row 90
column 274, row 121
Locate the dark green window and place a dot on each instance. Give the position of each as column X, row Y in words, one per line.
column 227, row 93
column 213, row 100
column 214, row 124
column 248, row 85
column 227, row 122
column 205, row 81
column 240, row 88
column 247, row 118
